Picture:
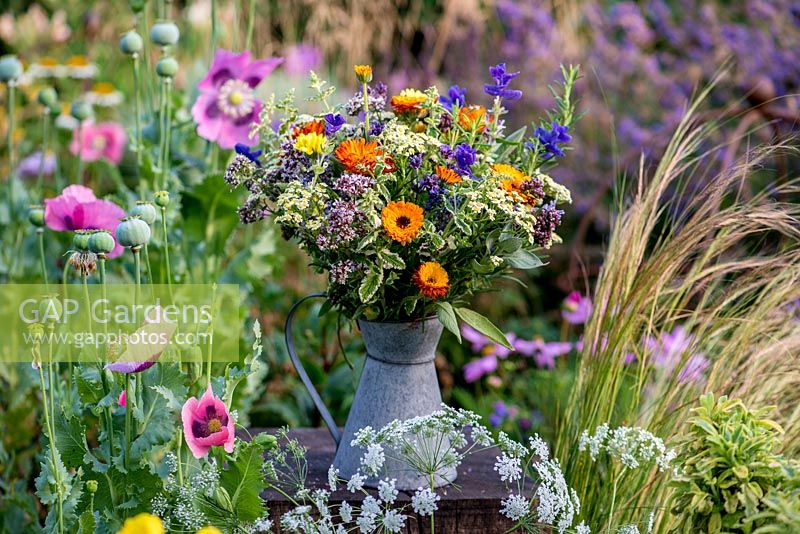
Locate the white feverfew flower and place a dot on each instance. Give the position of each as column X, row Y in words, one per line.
column 510, row 469
column 515, row 507
column 393, row 521
column 424, row 501
column 346, row 512
column 387, row 491
column 373, row 459
column 333, row 478
column 356, row 482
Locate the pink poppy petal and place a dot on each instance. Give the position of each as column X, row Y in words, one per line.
column 257, row 70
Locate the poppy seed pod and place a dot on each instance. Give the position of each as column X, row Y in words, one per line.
column 80, row 240
column 10, row 68
column 133, row 232
column 36, row 215
column 131, row 43
column 101, row 242
column 47, row 97
column 167, row 67
column 80, row 110
column 164, row 33
column 161, row 198
column 145, row 210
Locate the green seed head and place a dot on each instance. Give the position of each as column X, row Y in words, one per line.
column 161, row 198
column 91, row 486
column 164, row 33
column 36, row 215
column 101, row 242
column 167, row 67
column 80, row 240
column 131, row 43
column 133, row 232
column 47, row 97
column 80, row 110
column 145, row 210
column 10, row 68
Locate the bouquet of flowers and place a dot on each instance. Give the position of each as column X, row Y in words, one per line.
column 411, row 203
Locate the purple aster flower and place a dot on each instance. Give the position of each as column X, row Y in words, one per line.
column 544, row 354
column 465, row 157
column 456, row 96
column 250, row 154
column 548, row 141
column 501, row 80
column 476, row 369
column 576, row 308
column 499, row 414
column 333, row 123
column 476, row 340
column 301, row 58
column 29, row 166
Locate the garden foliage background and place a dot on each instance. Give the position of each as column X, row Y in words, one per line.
column 642, row 63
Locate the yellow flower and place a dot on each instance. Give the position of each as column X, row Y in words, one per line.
column 508, row 171
column 310, row 143
column 402, row 221
column 516, row 184
column 363, row 73
column 432, row 280
column 209, row 530
column 472, row 118
column 408, row 100
column 142, row 524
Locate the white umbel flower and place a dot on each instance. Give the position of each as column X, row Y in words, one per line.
column 424, row 502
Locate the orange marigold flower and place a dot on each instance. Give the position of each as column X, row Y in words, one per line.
column 432, row 280
column 515, row 183
column 315, row 126
column 447, row 175
column 409, row 100
column 472, row 118
column 402, row 221
column 363, row 73
column 509, row 171
column 358, row 155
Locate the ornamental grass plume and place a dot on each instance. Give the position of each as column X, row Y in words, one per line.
column 724, row 267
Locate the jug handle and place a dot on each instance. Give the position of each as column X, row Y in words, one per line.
column 298, row 365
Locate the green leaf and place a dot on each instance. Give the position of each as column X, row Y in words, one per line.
column 524, row 259
column 483, row 325
column 390, row 259
column 71, row 440
column 447, row 316
column 87, row 523
column 243, row 481
column 509, row 245
column 369, row 286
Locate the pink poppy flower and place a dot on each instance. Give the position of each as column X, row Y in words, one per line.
column 576, row 308
column 105, row 140
column 227, row 106
column 123, row 399
column 76, row 208
column 206, row 424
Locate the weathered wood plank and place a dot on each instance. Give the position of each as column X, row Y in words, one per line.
column 471, row 506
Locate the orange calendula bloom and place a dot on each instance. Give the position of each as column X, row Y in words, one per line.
column 408, row 101
column 402, row 221
column 447, row 175
column 360, row 157
column 514, row 183
column 315, row 126
column 432, row 280
column 363, row 73
column 472, row 118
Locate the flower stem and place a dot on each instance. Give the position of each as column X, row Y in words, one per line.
column 433, row 514
column 128, row 408
column 180, row 451
column 137, row 267
column 166, row 248
column 366, row 110
column 101, row 260
column 52, row 440
column 214, row 31
column 613, row 503
column 10, row 143
column 251, row 16
column 45, row 137
column 137, row 110
column 40, row 233
column 147, row 264
column 80, row 153
column 167, row 133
